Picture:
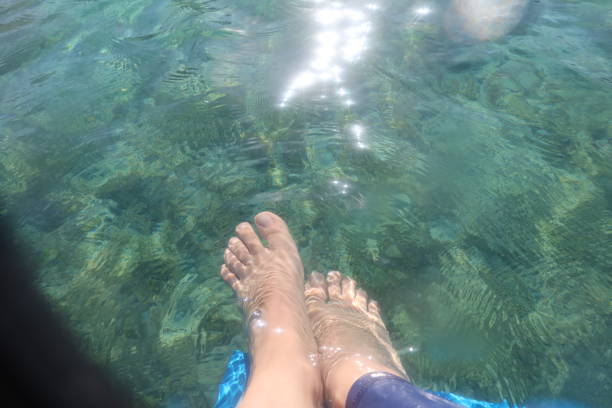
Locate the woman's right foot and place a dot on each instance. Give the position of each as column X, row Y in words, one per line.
column 350, row 333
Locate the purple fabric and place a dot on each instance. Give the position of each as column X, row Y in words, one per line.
column 379, row 389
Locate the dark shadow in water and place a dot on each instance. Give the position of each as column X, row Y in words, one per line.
column 42, row 366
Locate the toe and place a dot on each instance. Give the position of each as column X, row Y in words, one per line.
column 239, row 250
column 374, row 309
column 361, row 300
column 333, row 285
column 348, row 289
column 317, row 280
column 230, row 278
column 275, row 231
column 249, row 238
column 316, row 288
column 234, row 265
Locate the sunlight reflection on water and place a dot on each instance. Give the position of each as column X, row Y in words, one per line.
column 340, row 40
column 342, row 35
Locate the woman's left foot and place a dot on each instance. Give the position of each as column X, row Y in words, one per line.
column 269, row 281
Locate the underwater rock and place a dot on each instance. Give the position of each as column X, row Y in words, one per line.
column 393, row 251
column 444, row 231
column 482, row 20
column 188, row 306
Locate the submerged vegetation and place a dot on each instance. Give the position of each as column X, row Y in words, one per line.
column 136, row 135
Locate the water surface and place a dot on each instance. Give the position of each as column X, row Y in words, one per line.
column 453, row 157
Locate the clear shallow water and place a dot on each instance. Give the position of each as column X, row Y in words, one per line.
column 459, row 167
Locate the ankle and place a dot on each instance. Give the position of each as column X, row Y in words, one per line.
column 281, row 328
column 279, row 379
column 345, row 373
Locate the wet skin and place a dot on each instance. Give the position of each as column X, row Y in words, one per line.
column 308, row 343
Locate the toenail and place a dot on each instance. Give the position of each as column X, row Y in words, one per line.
column 263, row 220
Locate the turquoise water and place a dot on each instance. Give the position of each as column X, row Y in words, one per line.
column 454, row 157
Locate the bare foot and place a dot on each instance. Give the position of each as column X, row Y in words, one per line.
column 270, row 284
column 352, row 337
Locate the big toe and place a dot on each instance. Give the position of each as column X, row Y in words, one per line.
column 275, row 231
column 334, row 288
column 316, row 289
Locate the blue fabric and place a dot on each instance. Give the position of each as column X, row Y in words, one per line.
column 379, row 389
column 369, row 391
column 234, row 380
